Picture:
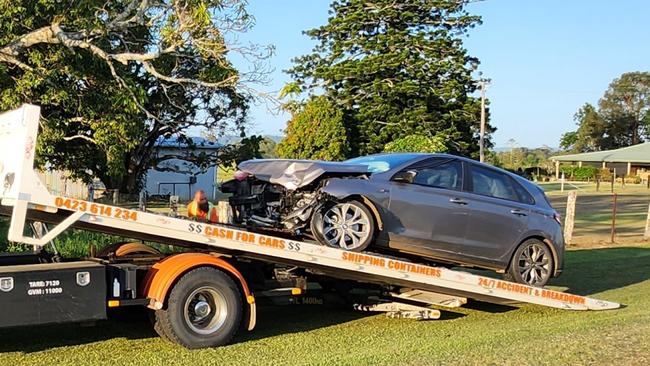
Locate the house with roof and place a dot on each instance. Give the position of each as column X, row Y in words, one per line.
column 175, row 173
column 631, row 160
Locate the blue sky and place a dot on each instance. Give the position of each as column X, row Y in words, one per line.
column 545, row 58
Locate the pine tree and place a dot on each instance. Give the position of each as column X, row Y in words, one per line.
column 396, row 68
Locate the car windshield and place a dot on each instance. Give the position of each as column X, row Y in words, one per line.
column 381, row 163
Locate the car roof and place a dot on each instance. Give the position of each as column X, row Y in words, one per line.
column 444, row 155
column 531, row 187
column 423, row 156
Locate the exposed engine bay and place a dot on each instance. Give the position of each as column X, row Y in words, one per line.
column 282, row 194
column 258, row 203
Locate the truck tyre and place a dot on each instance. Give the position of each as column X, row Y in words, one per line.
column 157, row 326
column 204, row 309
column 532, row 264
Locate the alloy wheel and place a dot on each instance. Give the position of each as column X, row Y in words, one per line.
column 346, row 226
column 534, row 264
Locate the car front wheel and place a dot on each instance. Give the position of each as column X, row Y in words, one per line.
column 344, row 225
column 532, row 264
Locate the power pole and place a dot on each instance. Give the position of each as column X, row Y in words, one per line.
column 482, row 83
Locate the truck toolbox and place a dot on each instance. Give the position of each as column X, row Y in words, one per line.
column 52, row 293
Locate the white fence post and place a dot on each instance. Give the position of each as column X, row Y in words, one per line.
column 569, row 219
column 646, row 235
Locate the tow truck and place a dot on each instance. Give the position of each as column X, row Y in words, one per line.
column 204, row 294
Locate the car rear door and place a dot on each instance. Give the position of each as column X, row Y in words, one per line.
column 429, row 215
column 498, row 215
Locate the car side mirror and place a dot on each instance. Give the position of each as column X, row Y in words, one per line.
column 405, row 176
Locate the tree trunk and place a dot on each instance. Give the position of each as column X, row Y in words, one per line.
column 635, row 132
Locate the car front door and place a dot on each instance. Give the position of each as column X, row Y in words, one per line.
column 498, row 215
column 428, row 211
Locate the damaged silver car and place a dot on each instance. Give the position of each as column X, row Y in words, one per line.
column 434, row 208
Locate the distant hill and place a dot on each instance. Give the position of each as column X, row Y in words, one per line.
column 227, row 140
column 506, row 149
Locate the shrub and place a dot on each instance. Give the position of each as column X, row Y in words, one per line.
column 579, row 172
column 634, row 179
column 605, row 174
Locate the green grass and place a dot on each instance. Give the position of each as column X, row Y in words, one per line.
column 479, row 334
column 70, row 244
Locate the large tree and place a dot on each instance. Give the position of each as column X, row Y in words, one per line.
column 622, row 118
column 396, row 68
column 315, row 131
column 113, row 77
column 591, row 132
column 626, row 106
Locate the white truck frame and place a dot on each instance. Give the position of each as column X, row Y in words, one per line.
column 25, row 197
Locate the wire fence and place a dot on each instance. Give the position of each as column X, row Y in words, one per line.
column 607, row 217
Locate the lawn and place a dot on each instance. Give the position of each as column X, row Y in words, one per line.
column 479, row 334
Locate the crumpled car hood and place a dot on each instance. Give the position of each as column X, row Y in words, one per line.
column 293, row 174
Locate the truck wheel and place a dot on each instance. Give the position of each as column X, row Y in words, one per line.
column 345, row 225
column 204, row 309
column 532, row 264
column 157, row 325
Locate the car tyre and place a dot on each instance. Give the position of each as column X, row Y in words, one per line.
column 347, row 225
column 532, row 264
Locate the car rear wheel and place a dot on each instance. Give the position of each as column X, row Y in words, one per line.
column 532, row 264
column 344, row 225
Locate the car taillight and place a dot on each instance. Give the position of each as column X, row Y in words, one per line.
column 557, row 218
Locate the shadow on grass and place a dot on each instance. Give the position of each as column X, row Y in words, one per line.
column 134, row 324
column 123, row 323
column 587, row 272
column 278, row 320
column 592, row 271
column 491, row 307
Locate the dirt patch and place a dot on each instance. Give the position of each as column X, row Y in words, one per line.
column 598, row 241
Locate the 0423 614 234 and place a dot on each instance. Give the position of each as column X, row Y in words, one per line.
column 95, row 208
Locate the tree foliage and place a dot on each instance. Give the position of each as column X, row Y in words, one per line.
column 591, row 132
column 114, row 77
column 622, row 118
column 395, row 69
column 416, row 143
column 523, row 159
column 443, row 141
column 268, row 148
column 316, row 131
column 626, row 106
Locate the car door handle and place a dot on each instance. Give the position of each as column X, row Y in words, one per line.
column 518, row 212
column 383, row 190
column 457, row 201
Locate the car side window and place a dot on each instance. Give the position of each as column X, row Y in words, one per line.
column 488, row 182
column 442, row 174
